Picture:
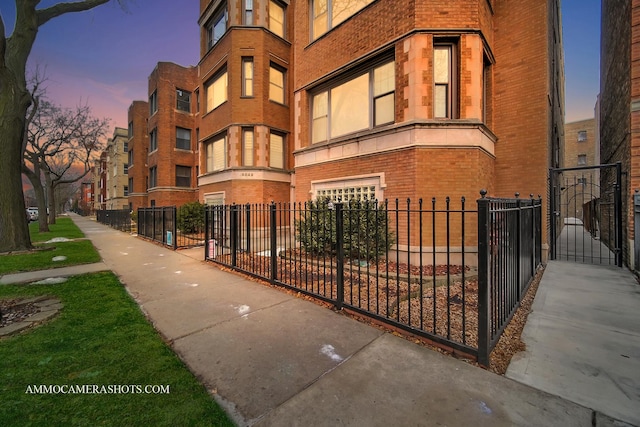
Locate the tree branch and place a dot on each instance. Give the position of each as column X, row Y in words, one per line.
column 56, row 10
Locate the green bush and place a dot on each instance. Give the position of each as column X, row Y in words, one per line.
column 366, row 233
column 191, row 217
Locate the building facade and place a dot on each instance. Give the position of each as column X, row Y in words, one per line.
column 137, row 154
column 619, row 114
column 581, row 149
column 372, row 99
column 117, row 191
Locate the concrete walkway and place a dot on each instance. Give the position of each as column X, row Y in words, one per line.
column 272, row 359
column 583, row 338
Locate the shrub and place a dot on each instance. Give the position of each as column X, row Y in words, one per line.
column 191, row 217
column 366, row 233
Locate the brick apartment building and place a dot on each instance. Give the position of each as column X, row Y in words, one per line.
column 382, row 99
column 117, row 191
column 620, row 107
column 137, row 154
column 100, row 182
column 581, row 148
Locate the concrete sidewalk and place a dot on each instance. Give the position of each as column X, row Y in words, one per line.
column 583, row 338
column 275, row 360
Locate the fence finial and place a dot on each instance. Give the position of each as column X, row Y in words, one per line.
column 483, row 193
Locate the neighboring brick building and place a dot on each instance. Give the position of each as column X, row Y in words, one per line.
column 117, row 191
column 172, row 157
column 580, row 149
column 620, row 106
column 100, row 182
column 137, row 154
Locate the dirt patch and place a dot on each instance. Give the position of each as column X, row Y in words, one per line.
column 15, row 310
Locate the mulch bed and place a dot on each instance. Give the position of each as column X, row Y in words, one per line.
column 12, row 311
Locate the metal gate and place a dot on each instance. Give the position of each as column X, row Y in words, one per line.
column 586, row 214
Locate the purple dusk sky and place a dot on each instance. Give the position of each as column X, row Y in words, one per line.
column 104, row 56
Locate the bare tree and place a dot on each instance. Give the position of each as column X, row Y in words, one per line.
column 61, row 143
column 15, row 100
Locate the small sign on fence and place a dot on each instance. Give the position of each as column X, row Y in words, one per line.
column 212, row 248
column 169, row 238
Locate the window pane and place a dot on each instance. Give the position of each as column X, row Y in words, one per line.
column 276, row 152
column 183, row 176
column 276, row 85
column 183, row 102
column 384, row 109
column 350, row 106
column 320, row 111
column 441, row 105
column 343, row 9
column 384, row 79
column 319, row 18
column 183, row 139
column 217, row 91
column 276, row 18
column 441, row 64
column 247, row 156
column 219, row 160
column 247, row 70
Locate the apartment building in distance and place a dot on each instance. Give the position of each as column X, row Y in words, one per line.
column 100, row 182
column 620, row 110
column 581, row 149
column 372, row 99
column 172, row 132
column 137, row 154
column 117, row 192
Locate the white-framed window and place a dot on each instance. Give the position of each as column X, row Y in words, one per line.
column 276, row 150
column 326, row 14
column 277, row 17
column 247, row 76
column 153, row 140
column 216, row 154
column 276, row 83
column 183, row 138
column 362, row 102
column 217, row 26
column 247, row 16
column 247, row 147
column 361, row 188
column 183, row 100
column 582, row 159
column 153, row 103
column 216, row 89
column 126, row 191
column 582, row 135
column 444, row 82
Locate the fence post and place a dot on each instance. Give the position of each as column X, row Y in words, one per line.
column 206, row 232
column 519, row 246
column 273, row 241
column 174, row 210
column 248, row 227
column 234, row 234
column 484, row 318
column 339, row 255
column 534, row 239
column 618, row 213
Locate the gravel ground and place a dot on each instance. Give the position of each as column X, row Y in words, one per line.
column 12, row 311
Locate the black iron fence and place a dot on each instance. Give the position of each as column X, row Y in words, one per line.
column 509, row 253
column 119, row 219
column 169, row 226
column 437, row 269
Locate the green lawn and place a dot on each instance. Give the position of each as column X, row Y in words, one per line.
column 100, row 338
column 77, row 252
column 64, row 227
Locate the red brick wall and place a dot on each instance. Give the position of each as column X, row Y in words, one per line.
column 139, row 144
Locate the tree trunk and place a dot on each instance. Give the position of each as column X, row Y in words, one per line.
column 14, row 231
column 51, row 199
column 34, row 177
